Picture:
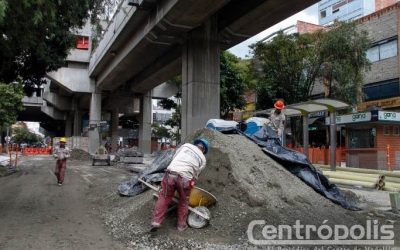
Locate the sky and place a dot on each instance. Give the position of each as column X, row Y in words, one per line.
column 308, row 15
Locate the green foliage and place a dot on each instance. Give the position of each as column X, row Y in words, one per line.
column 342, row 52
column 23, row 135
column 158, row 131
column 232, row 84
column 36, row 36
column 288, row 66
column 10, row 103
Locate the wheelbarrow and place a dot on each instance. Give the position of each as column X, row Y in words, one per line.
column 199, row 200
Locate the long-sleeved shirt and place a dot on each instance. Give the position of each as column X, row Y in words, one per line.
column 277, row 122
column 61, row 153
column 188, row 161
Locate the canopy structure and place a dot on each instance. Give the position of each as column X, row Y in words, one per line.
column 304, row 109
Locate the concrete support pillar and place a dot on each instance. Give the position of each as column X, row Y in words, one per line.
column 94, row 119
column 145, row 124
column 68, row 125
column 114, row 129
column 200, row 77
column 305, row 134
column 332, row 159
column 77, row 123
column 77, row 117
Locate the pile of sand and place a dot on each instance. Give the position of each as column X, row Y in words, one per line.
column 80, row 155
column 248, row 185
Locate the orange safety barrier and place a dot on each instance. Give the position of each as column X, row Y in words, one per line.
column 36, row 151
column 322, row 155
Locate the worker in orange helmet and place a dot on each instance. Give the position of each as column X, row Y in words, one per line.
column 277, row 118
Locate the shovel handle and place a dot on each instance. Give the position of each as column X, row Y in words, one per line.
column 176, row 200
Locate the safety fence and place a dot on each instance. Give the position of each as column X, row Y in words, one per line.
column 322, row 155
column 36, row 151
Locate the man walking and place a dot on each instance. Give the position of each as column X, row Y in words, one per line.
column 61, row 153
column 180, row 176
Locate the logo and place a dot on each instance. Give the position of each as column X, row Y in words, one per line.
column 372, row 233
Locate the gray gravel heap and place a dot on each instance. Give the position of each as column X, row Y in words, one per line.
column 248, row 185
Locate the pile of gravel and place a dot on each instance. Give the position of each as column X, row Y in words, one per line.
column 248, row 185
column 79, row 154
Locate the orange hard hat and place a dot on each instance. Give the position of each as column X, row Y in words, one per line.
column 279, row 104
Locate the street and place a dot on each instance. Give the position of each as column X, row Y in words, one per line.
column 35, row 213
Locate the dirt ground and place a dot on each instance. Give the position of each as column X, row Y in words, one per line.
column 87, row 213
column 35, row 213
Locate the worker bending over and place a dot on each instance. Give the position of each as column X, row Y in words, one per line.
column 180, row 176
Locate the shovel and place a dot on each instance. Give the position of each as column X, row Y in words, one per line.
column 200, row 215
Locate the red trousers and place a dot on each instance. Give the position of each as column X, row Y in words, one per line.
column 61, row 165
column 169, row 184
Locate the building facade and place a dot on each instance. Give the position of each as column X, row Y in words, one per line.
column 344, row 10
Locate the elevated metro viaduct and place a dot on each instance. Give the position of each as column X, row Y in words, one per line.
column 149, row 43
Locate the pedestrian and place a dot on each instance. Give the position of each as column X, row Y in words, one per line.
column 61, row 153
column 277, row 118
column 181, row 176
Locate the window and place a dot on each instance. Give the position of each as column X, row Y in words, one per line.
column 334, row 11
column 373, row 54
column 361, row 138
column 323, row 14
column 396, row 130
column 381, row 90
column 388, row 50
column 82, row 42
column 383, row 50
column 386, row 130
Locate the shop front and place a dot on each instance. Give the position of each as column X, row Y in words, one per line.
column 372, row 139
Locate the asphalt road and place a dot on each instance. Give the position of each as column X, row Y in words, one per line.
column 35, row 213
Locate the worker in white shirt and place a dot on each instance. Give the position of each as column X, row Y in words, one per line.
column 61, row 153
column 180, row 176
column 277, row 118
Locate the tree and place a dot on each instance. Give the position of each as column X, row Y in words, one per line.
column 285, row 68
column 175, row 122
column 159, row 131
column 10, row 103
column 23, row 135
column 35, row 36
column 289, row 65
column 232, row 84
column 343, row 55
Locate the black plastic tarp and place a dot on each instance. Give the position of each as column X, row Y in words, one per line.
column 298, row 164
column 153, row 173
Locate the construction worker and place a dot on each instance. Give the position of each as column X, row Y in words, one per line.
column 277, row 118
column 61, row 153
column 180, row 176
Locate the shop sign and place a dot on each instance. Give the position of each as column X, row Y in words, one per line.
column 351, row 118
column 389, row 116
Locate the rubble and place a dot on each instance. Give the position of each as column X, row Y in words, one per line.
column 248, row 185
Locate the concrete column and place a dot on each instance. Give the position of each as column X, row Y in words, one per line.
column 68, row 125
column 200, row 77
column 77, row 123
column 114, row 129
column 94, row 119
column 145, row 124
column 305, row 134
column 77, row 117
column 332, row 161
